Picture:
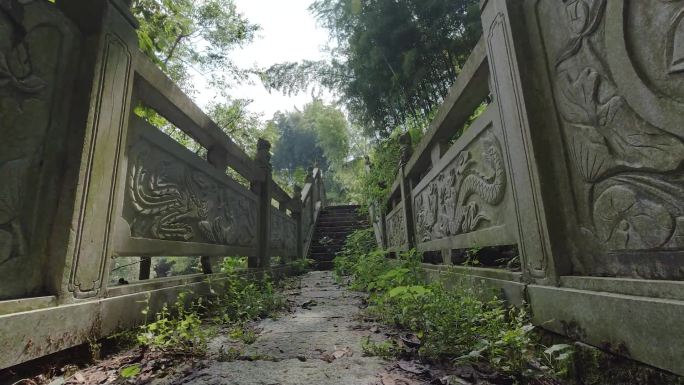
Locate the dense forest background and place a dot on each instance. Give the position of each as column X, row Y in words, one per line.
column 391, row 62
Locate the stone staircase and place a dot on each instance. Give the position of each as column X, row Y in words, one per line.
column 334, row 224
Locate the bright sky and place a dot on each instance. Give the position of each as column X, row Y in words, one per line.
column 288, row 33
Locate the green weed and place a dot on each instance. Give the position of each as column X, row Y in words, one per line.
column 462, row 322
column 387, row 349
column 185, row 328
column 180, row 332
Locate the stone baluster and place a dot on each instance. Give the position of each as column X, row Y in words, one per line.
column 312, row 192
column 263, row 191
column 296, row 209
column 405, row 187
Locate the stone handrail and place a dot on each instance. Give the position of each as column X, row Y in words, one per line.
column 575, row 162
column 86, row 180
column 313, row 200
column 571, row 173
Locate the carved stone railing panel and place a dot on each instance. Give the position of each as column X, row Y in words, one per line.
column 283, row 234
column 177, row 204
column 37, row 48
column 396, row 229
column 616, row 72
column 465, row 200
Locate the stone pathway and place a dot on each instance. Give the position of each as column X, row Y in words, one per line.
column 319, row 343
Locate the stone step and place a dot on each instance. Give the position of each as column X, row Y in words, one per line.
column 341, row 237
column 341, row 208
column 340, row 219
column 335, row 223
column 340, row 222
column 340, row 214
column 324, row 250
column 331, row 243
column 322, row 256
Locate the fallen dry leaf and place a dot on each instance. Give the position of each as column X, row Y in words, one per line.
column 79, row 378
column 412, row 367
column 342, row 353
column 411, row 340
column 393, row 379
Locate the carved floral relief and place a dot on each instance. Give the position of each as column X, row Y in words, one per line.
column 449, row 204
column 24, row 120
column 630, row 163
column 171, row 201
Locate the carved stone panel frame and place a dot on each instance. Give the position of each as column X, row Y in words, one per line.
column 396, row 229
column 465, row 200
column 175, row 203
column 283, row 234
column 617, row 93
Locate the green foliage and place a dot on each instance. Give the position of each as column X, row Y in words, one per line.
column 463, row 322
column 319, row 133
column 185, row 328
column 130, row 371
column 384, row 165
column 186, row 35
column 241, row 125
column 231, row 264
column 387, row 349
column 241, row 298
column 301, row 266
column 297, row 146
column 331, row 129
column 394, row 59
column 359, row 243
column 244, row 334
column 180, row 332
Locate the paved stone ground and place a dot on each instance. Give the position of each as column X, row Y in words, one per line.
column 319, row 343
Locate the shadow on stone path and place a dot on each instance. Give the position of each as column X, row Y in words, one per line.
column 319, row 343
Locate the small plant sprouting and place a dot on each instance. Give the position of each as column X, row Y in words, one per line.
column 387, row 349
column 186, row 326
column 462, row 321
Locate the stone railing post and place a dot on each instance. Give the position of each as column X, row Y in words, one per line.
column 405, row 187
column 312, row 192
column 296, row 209
column 321, row 189
column 375, row 212
column 98, row 131
column 263, row 190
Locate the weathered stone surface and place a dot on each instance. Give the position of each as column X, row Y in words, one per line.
column 645, row 329
column 283, row 234
column 37, row 47
column 466, row 192
column 615, row 71
column 291, row 350
column 396, row 229
column 171, row 197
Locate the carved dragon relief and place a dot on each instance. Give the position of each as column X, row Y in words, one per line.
column 22, row 113
column 396, row 229
column 170, row 201
column 447, row 207
column 631, row 169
